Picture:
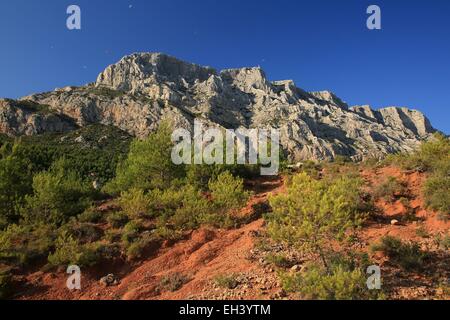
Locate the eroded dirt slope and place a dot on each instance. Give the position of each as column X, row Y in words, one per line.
column 208, row 253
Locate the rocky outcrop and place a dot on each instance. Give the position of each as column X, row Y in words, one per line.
column 29, row 118
column 140, row 90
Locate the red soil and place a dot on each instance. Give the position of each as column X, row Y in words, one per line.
column 207, row 253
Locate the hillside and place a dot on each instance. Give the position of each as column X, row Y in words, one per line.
column 243, row 257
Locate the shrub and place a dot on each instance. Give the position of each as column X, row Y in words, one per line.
column 407, row 255
column 167, row 233
column 200, row 175
column 311, row 168
column 106, row 92
column 193, row 208
column 130, row 232
column 173, row 282
column 58, row 195
column 136, row 249
column 422, row 232
column 91, row 215
column 68, row 251
column 342, row 160
column 117, row 219
column 434, row 153
column 315, row 213
column 318, row 284
column 105, row 251
column 182, row 208
column 228, row 192
column 389, row 189
column 429, row 157
column 279, row 261
column 23, row 244
column 226, row 281
column 113, row 235
column 148, row 164
column 5, row 285
column 84, row 232
column 436, row 194
column 165, row 202
column 443, row 241
column 135, row 203
column 15, row 184
column 185, row 208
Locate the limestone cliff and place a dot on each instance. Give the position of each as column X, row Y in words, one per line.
column 140, row 90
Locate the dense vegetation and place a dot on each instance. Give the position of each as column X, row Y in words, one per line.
column 50, row 190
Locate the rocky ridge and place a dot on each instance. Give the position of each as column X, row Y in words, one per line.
column 142, row 89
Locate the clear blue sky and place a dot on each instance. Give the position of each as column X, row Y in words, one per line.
column 320, row 44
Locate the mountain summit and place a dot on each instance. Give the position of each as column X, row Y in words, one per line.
column 142, row 89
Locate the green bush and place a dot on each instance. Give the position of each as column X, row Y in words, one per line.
column 436, row 194
column 443, row 241
column 319, row 284
column 166, row 232
column 422, row 232
column 131, row 232
column 185, row 208
column 279, row 261
column 106, row 252
column 342, row 160
column 58, row 194
column 84, row 232
column 135, row 203
column 165, row 202
column 434, row 153
column 91, row 215
column 136, row 249
column 200, row 175
column 117, row 219
column 68, row 251
column 5, row 285
column 192, row 210
column 315, row 213
column 311, row 168
column 113, row 235
column 173, row 282
column 15, row 184
column 228, row 192
column 148, row 164
column 407, row 255
column 433, row 157
column 429, row 157
column 226, row 281
column 389, row 189
column 106, row 92
column 22, row 244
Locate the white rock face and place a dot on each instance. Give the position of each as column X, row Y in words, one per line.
column 22, row 118
column 140, row 90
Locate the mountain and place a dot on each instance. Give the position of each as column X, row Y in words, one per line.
column 142, row 89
